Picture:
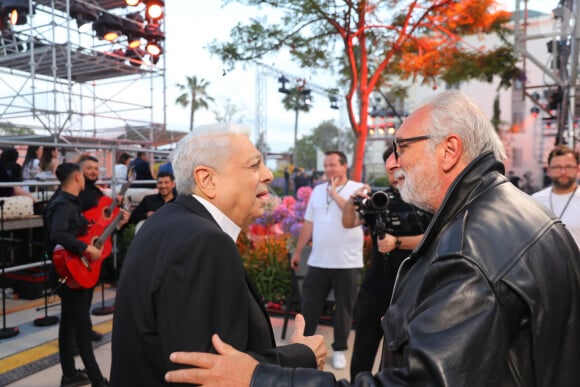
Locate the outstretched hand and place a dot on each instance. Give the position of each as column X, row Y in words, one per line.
column 315, row 342
column 229, row 368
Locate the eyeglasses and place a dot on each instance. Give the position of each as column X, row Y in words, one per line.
column 397, row 142
column 565, row 168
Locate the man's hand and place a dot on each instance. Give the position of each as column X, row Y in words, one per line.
column 230, row 368
column 125, row 215
column 295, row 260
column 315, row 342
column 386, row 244
column 92, row 252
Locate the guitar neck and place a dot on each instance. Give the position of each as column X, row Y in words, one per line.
column 108, row 231
column 121, row 192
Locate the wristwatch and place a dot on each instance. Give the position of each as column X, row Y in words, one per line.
column 397, row 243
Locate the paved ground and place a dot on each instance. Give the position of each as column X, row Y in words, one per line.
column 34, row 351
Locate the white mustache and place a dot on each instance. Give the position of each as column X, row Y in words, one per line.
column 399, row 174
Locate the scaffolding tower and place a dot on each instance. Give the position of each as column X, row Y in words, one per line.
column 59, row 80
column 559, row 106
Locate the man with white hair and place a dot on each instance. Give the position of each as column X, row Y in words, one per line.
column 491, row 295
column 183, row 279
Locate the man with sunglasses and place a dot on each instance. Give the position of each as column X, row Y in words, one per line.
column 491, row 295
column 563, row 197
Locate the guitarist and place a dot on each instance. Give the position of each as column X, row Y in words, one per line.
column 89, row 198
column 65, row 223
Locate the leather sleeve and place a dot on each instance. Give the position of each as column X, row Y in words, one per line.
column 268, row 375
column 292, row 355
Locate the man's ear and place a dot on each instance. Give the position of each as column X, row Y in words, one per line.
column 205, row 181
column 452, row 152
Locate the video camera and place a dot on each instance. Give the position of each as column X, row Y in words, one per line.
column 391, row 214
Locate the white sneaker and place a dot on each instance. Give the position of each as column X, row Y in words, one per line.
column 338, row 360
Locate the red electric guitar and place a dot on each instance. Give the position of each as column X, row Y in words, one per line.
column 108, row 208
column 83, row 272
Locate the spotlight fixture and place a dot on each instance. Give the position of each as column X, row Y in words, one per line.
column 535, row 111
column 83, row 15
column 135, row 56
column 283, row 80
column 154, row 59
column 133, row 28
column 108, row 27
column 15, row 11
column 333, row 102
column 153, row 48
column 154, row 9
column 132, row 3
column 154, row 37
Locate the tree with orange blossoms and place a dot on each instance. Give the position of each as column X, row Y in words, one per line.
column 375, row 43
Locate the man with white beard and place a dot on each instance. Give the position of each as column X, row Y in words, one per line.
column 491, row 295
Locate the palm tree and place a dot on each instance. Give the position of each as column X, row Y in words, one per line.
column 195, row 95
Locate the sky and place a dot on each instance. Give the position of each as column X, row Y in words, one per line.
column 191, row 27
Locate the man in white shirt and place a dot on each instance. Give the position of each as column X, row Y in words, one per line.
column 336, row 259
column 563, row 196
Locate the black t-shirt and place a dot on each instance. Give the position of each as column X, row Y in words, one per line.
column 89, row 197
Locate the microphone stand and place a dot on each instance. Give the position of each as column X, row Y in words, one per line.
column 46, row 320
column 5, row 332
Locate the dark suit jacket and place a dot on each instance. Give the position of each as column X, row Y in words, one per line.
column 183, row 280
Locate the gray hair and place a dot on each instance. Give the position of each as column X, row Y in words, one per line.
column 453, row 112
column 206, row 145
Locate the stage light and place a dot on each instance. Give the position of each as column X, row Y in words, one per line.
column 132, row 3
column 333, row 102
column 135, row 56
column 83, row 15
column 14, row 11
column 154, row 9
column 535, row 111
column 154, row 59
column 153, row 48
column 283, row 81
column 133, row 28
column 154, row 37
column 108, row 27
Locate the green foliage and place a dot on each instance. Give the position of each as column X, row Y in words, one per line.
column 8, row 128
column 267, row 264
column 324, row 137
column 194, row 94
column 381, row 42
column 483, row 67
column 380, row 181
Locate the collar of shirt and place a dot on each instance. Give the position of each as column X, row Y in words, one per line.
column 226, row 224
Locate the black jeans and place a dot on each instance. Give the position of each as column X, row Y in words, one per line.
column 368, row 332
column 75, row 327
column 315, row 289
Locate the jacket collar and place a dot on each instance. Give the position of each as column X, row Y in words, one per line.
column 479, row 176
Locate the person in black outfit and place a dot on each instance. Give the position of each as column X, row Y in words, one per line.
column 89, row 198
column 406, row 231
column 151, row 203
column 65, row 222
column 10, row 159
column 142, row 170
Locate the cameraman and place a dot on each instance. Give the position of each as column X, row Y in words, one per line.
column 396, row 228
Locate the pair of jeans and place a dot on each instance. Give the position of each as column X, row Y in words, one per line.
column 315, row 290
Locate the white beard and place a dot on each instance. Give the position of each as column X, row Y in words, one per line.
column 421, row 186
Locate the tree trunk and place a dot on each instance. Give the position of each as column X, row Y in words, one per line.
column 191, row 116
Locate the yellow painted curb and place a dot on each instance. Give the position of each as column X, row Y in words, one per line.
column 34, row 354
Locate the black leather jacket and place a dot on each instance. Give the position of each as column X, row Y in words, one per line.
column 489, row 298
